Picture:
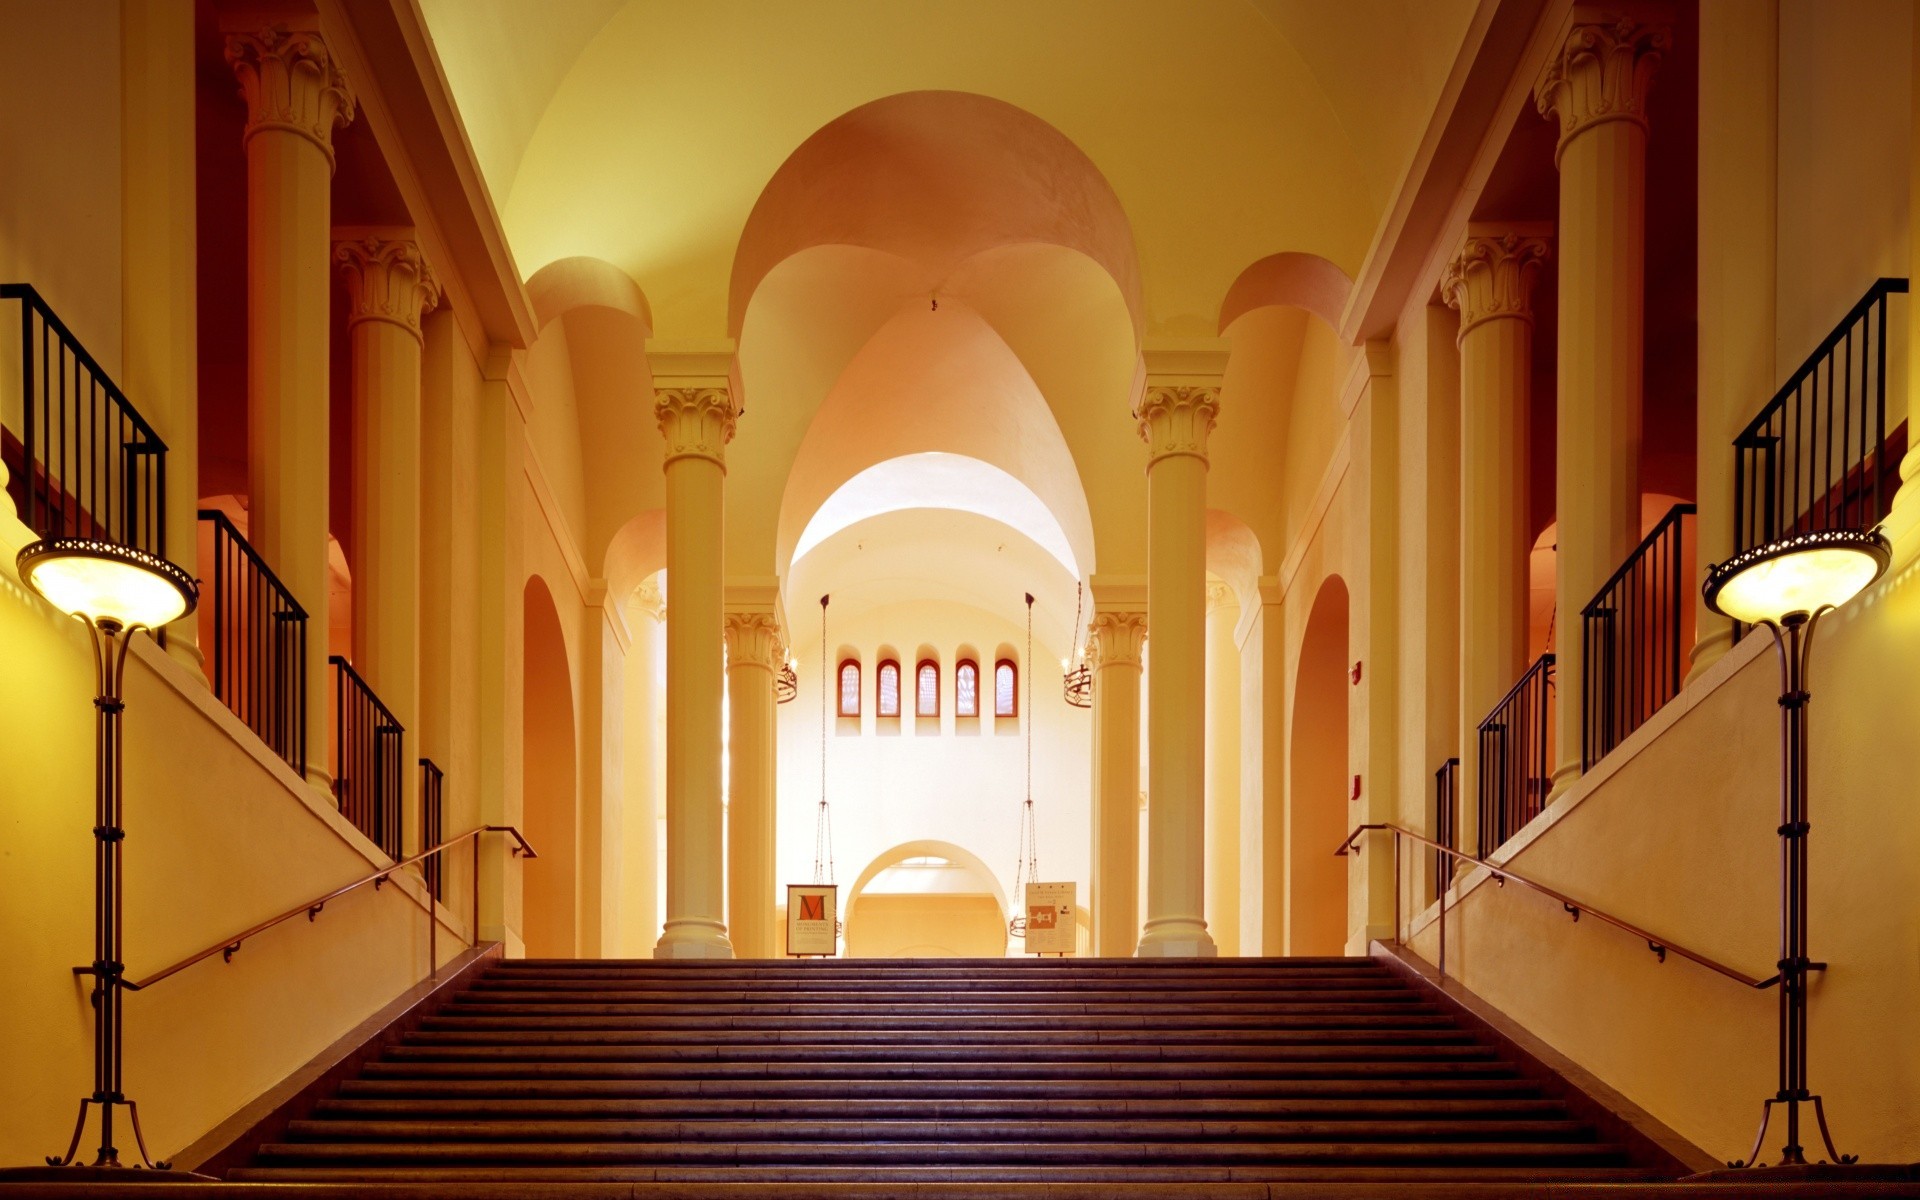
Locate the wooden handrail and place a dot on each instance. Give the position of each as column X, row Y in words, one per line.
column 1658, row 945
column 311, row 909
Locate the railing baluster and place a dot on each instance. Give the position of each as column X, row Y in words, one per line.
column 1515, row 742
column 369, row 748
column 1635, row 622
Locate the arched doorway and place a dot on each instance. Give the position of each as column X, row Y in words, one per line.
column 1316, row 802
column 548, row 912
column 926, row 900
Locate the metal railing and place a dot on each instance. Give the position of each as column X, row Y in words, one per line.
column 1446, row 822
column 1632, row 637
column 368, row 752
column 81, row 461
column 432, row 822
column 258, row 653
column 1659, row 946
column 227, row 947
column 1817, row 456
column 1516, row 756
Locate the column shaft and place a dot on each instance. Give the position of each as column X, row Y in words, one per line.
column 697, row 422
column 295, row 97
column 1490, row 281
column 1596, row 87
column 1223, row 768
column 1115, row 642
column 389, row 287
column 754, row 656
column 1176, row 421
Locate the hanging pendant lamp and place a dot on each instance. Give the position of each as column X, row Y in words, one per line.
column 1078, row 683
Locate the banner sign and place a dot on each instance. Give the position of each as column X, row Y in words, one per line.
column 1050, row 924
column 813, row 919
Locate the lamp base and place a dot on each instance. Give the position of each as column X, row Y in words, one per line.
column 78, row 1174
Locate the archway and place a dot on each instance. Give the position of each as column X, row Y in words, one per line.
column 926, row 899
column 549, row 922
column 1317, row 806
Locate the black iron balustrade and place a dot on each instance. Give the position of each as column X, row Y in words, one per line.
column 1819, row 455
column 1446, row 822
column 257, row 659
column 1633, row 642
column 1516, row 757
column 367, row 758
column 81, row 461
column 432, row 824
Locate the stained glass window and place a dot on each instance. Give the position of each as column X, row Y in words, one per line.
column 927, row 685
column 849, row 689
column 1006, row 678
column 966, row 689
column 887, row 690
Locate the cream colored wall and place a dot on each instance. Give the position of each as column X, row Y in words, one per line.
column 963, row 785
column 902, row 926
column 60, row 210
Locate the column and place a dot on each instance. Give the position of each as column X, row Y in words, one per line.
column 159, row 256
column 697, row 415
column 1739, row 125
column 296, row 96
column 1596, row 87
column 755, row 653
column 1490, row 281
column 1115, row 641
column 1176, row 417
column 389, row 288
column 640, row 764
column 1223, row 767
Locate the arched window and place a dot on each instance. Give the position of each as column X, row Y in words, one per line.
column 926, row 688
column 850, row 688
column 886, row 689
column 966, row 688
column 1006, row 689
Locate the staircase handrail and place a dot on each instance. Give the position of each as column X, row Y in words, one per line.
column 1659, row 946
column 229, row 946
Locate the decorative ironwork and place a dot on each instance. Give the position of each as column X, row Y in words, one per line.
column 1516, row 757
column 1820, row 455
column 1446, row 822
column 432, row 824
column 1078, row 681
column 258, row 655
column 1632, row 637
column 83, row 462
column 368, row 752
column 786, row 685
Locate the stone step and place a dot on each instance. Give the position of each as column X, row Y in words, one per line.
column 1384, row 1072
column 1438, row 1087
column 1066, row 1107
column 758, row 1038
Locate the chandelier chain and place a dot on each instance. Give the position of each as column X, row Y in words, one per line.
column 823, row 869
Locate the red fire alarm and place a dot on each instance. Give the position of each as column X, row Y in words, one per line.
column 1356, row 672
column 1356, row 780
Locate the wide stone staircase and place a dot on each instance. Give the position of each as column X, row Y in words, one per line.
column 1094, row 1077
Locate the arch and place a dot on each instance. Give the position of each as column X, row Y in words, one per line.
column 567, row 284
column 972, row 864
column 1316, row 908
column 1291, row 279
column 935, row 177
column 549, row 907
column 638, row 549
column 1233, row 553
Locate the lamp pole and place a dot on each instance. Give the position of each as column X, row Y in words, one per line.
column 110, row 642
column 1793, row 640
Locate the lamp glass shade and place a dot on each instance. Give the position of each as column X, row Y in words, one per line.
column 1801, row 574
column 107, row 583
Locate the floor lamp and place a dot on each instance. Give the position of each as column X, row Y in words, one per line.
column 1788, row 585
column 115, row 590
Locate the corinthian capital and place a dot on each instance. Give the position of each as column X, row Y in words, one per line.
column 1117, row 639
column 290, row 81
column 388, row 279
column 753, row 639
column 1601, row 72
column 1492, row 275
column 1177, row 420
column 697, row 421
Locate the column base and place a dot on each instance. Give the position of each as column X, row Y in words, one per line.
column 1708, row 649
column 693, row 939
column 1176, row 937
column 1563, row 780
